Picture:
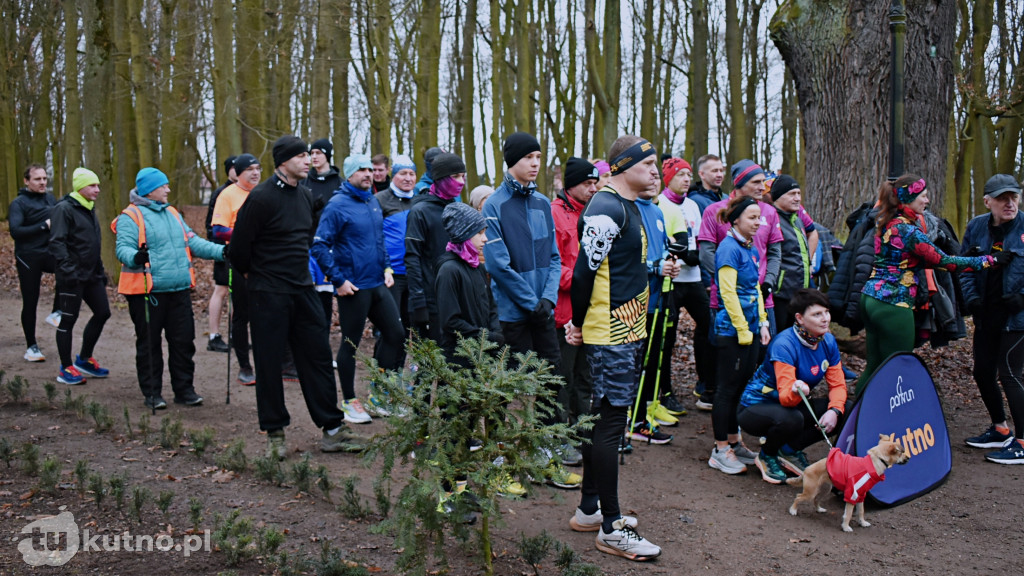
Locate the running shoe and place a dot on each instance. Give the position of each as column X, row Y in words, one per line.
column 71, row 376
column 189, row 398
column 509, row 488
column 53, row 319
column 155, row 402
column 644, row 432
column 662, row 416
column 277, row 449
column 34, row 354
column 624, row 541
column 582, row 522
column 673, row 405
column 375, row 405
column 343, row 440
column 990, row 438
column 354, row 412
column 246, row 377
column 90, row 367
column 771, row 470
column 743, row 454
column 725, row 461
column 559, row 477
column 1011, row 454
column 794, row 461
column 217, row 344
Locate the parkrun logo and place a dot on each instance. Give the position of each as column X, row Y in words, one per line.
column 901, row 397
column 55, row 540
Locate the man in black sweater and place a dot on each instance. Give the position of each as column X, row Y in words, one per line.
column 270, row 246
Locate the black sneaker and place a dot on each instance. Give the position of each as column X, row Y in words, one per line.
column 673, row 405
column 217, row 344
column 990, row 438
column 189, row 398
column 1013, row 453
column 155, row 402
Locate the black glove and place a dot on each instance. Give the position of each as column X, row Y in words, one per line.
column 691, row 258
column 227, row 253
column 1003, row 258
column 142, row 256
column 975, row 306
column 420, row 316
column 543, row 309
column 1013, row 302
column 766, row 290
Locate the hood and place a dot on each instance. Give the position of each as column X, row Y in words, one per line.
column 143, row 202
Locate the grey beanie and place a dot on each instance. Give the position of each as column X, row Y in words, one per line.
column 462, row 222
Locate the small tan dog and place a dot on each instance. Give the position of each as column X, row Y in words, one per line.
column 851, row 474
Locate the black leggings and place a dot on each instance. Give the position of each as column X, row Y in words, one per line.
column 736, row 364
column 998, row 353
column 601, row 457
column 94, row 294
column 30, row 274
column 694, row 298
column 376, row 304
column 781, row 425
column 239, row 318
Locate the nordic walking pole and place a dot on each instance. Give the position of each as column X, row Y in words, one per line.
column 227, row 398
column 149, row 332
column 665, row 287
column 807, row 403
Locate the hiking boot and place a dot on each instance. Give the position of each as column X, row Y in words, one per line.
column 276, row 447
column 743, row 454
column 561, row 478
column 661, row 415
column 217, row 344
column 990, row 438
column 1013, row 453
column 54, row 318
column 189, row 398
column 794, row 462
column 156, row 402
column 344, row 440
column 624, row 541
column 34, row 354
column 354, row 412
column 771, row 470
column 246, row 377
column 644, row 432
column 582, row 522
column 375, row 405
column 673, row 405
column 71, row 376
column 725, row 461
column 571, row 456
column 90, row 367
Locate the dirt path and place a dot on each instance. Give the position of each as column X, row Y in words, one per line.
column 704, row 521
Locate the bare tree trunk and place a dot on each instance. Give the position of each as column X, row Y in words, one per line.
column 697, row 109
column 467, row 90
column 341, row 48
column 252, row 89
column 838, row 55
column 141, row 81
column 428, row 94
column 604, row 68
column 227, row 131
column 649, row 86
column 739, row 136
column 320, row 83
column 73, row 105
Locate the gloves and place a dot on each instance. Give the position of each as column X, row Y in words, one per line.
column 420, row 317
column 142, row 256
column 1013, row 302
column 543, row 309
column 975, row 306
column 227, row 253
column 1003, row 258
column 766, row 290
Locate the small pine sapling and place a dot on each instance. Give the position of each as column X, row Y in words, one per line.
column 49, row 476
column 163, row 501
column 98, row 487
column 81, row 477
column 30, row 458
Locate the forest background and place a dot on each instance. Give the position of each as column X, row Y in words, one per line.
column 800, row 86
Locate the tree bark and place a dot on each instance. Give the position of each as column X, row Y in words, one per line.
column 739, row 135
column 341, row 57
column 604, row 68
column 428, row 95
column 227, row 133
column 467, row 90
column 697, row 110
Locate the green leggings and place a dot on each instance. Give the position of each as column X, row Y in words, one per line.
column 888, row 329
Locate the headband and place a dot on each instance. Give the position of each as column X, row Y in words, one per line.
column 741, row 206
column 907, row 194
column 632, row 156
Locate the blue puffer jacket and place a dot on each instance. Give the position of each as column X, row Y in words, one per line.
column 349, row 242
column 168, row 261
column 521, row 253
column 973, row 283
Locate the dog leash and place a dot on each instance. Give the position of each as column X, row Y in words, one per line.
column 815, row 416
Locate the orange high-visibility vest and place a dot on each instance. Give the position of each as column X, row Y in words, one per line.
column 140, row 280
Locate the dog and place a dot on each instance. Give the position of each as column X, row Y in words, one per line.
column 853, row 475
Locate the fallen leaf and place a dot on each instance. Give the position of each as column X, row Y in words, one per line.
column 27, row 495
column 223, row 476
column 171, row 478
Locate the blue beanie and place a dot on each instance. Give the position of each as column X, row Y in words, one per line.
column 149, row 179
column 402, row 162
column 743, row 171
column 355, row 163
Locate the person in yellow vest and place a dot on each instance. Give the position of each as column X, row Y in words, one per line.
column 156, row 247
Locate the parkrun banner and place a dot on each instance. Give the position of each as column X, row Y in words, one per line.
column 901, row 399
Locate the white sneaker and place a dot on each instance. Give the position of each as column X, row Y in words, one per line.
column 53, row 319
column 34, row 354
column 354, row 412
column 624, row 541
column 581, row 522
column 725, row 461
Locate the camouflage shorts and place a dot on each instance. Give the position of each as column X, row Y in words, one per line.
column 615, row 371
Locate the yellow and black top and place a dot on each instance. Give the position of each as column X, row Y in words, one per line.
column 609, row 282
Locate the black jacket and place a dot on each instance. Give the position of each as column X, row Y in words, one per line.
column 75, row 243
column 323, row 187
column 465, row 304
column 27, row 217
column 425, row 241
column 209, row 211
column 853, row 268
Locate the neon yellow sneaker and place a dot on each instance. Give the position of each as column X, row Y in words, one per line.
column 509, row 488
column 561, row 478
column 661, row 414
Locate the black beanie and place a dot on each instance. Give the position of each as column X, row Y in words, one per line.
column 324, row 145
column 429, row 156
column 288, row 147
column 243, row 161
column 517, row 146
column 462, row 222
column 783, row 184
column 577, row 171
column 446, row 164
column 229, row 164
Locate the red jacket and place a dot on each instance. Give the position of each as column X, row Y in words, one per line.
column 851, row 474
column 566, row 213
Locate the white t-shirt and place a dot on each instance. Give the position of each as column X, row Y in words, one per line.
column 683, row 217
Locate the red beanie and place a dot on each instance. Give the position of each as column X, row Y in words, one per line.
column 672, row 166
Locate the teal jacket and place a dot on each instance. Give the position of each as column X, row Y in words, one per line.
column 168, row 260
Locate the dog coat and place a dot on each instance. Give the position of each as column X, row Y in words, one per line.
column 851, row 474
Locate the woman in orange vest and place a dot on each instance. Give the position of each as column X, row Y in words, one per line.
column 155, row 247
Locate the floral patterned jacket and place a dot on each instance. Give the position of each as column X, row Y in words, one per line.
column 901, row 251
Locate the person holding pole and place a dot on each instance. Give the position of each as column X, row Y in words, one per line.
column 156, row 247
